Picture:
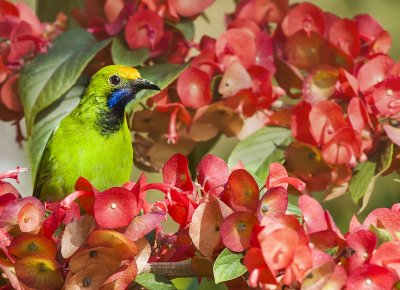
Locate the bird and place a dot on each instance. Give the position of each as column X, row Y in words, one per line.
column 93, row 141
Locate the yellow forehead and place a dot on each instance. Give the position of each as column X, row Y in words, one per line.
column 127, row 72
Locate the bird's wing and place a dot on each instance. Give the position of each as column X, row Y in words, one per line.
column 43, row 172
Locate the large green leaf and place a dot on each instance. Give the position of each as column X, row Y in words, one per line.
column 48, row 120
column 161, row 74
column 363, row 181
column 154, row 282
column 121, row 54
column 227, row 266
column 260, row 149
column 50, row 75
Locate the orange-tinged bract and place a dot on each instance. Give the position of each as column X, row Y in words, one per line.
column 126, row 248
column 39, row 272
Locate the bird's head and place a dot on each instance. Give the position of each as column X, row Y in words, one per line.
column 119, row 85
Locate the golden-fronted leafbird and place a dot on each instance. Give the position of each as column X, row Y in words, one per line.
column 94, row 140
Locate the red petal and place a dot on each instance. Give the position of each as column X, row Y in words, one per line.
column 9, row 94
column 28, row 15
column 382, row 43
column 348, row 83
column 300, row 123
column 259, row 271
column 241, row 192
column 144, row 224
column 181, row 207
column 29, row 218
column 386, row 97
column 229, row 47
column 194, row 88
column 176, row 173
column 115, row 208
column 212, row 174
column 278, row 247
column 8, row 9
column 326, row 117
column 276, row 171
column 265, row 52
column 363, row 242
column 236, row 230
column 313, row 213
column 371, row 277
column 388, row 256
column 368, row 27
column 374, row 71
column 305, row 16
column 302, row 262
column 343, row 148
column 273, row 203
column 144, row 29
column 192, row 8
column 384, row 218
column 9, row 216
column 344, row 34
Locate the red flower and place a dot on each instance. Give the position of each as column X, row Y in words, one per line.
column 144, row 29
column 305, row 16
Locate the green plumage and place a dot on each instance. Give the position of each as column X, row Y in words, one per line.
column 94, row 140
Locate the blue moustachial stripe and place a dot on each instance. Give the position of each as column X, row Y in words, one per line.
column 118, row 96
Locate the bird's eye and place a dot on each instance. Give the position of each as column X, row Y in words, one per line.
column 114, row 80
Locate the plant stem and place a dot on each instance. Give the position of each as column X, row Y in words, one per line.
column 171, row 269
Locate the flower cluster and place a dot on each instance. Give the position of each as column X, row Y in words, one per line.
column 340, row 70
column 100, row 239
column 152, row 25
column 226, row 89
column 310, row 251
column 22, row 37
column 53, row 245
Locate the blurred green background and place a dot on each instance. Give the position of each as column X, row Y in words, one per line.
column 386, row 191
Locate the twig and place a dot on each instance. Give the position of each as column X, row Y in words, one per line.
column 171, row 269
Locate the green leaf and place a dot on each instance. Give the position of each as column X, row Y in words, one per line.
column 363, row 181
column 383, row 235
column 227, row 266
column 154, row 282
column 121, row 54
column 46, row 78
column 293, row 209
column 186, row 27
column 48, row 120
column 161, row 74
column 260, row 149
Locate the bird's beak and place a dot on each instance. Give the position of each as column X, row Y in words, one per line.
column 142, row 84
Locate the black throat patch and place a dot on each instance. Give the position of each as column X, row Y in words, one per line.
column 110, row 120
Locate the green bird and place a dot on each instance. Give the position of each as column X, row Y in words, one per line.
column 94, row 140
